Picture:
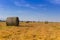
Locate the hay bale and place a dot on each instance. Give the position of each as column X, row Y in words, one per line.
column 12, row 21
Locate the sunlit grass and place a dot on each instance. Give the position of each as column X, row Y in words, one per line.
column 30, row 31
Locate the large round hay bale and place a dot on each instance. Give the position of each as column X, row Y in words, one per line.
column 12, row 21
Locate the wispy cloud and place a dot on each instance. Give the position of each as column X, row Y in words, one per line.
column 54, row 1
column 42, row 5
column 2, row 7
column 24, row 3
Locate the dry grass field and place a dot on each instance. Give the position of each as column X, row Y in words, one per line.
column 30, row 31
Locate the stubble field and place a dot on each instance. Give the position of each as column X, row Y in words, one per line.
column 30, row 31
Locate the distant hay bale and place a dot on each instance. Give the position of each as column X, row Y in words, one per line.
column 12, row 21
column 46, row 22
column 27, row 21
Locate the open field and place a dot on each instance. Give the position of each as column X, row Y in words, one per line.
column 30, row 31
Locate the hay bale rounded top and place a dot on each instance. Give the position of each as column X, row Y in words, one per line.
column 12, row 21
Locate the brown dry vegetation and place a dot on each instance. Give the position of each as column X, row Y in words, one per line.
column 30, row 31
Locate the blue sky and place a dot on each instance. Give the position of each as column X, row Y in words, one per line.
column 31, row 10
